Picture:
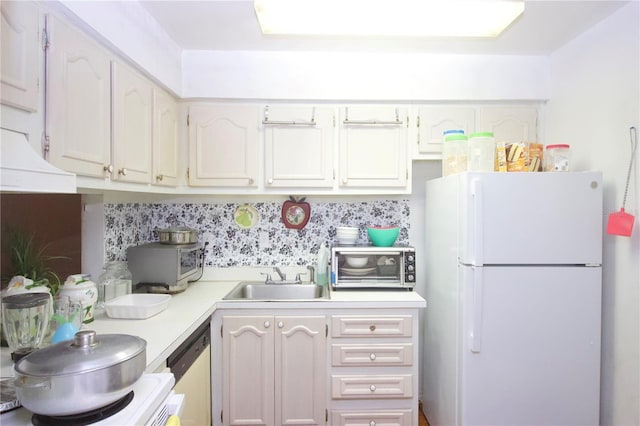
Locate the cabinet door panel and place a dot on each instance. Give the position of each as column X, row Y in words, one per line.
column 132, row 125
column 372, row 417
column 371, row 326
column 510, row 124
column 371, row 386
column 299, row 155
column 433, row 121
column 223, row 145
column 300, row 370
column 165, row 139
column 373, row 151
column 20, row 54
column 372, row 354
column 79, row 102
column 248, row 355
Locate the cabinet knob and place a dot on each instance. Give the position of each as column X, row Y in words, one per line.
column 345, row 180
column 372, row 423
column 159, row 177
column 280, row 324
column 267, row 324
column 122, row 171
column 372, row 388
column 250, row 181
column 270, row 181
column 372, row 327
column 372, row 357
column 108, row 168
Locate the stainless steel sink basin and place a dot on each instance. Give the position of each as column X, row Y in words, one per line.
column 258, row 290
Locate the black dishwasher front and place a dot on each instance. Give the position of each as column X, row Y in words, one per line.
column 191, row 366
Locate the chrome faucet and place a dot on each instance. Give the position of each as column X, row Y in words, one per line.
column 282, row 275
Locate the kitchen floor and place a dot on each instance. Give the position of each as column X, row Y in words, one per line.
column 422, row 420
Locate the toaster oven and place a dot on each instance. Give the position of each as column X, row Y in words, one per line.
column 370, row 267
column 165, row 268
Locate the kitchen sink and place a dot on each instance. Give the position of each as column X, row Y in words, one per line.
column 258, row 290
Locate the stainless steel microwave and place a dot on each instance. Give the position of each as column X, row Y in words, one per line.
column 165, row 268
column 370, row 267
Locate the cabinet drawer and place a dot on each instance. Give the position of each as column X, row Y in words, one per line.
column 371, row 387
column 372, row 354
column 371, row 326
column 372, row 418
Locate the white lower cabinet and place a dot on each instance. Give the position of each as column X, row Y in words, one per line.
column 373, row 418
column 374, row 368
column 274, row 370
column 320, row 366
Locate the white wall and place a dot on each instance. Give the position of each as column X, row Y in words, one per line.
column 595, row 98
column 363, row 76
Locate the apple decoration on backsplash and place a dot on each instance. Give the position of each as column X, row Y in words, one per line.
column 295, row 212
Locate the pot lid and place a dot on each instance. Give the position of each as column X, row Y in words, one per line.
column 87, row 352
column 178, row 229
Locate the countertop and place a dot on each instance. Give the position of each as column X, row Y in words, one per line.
column 165, row 331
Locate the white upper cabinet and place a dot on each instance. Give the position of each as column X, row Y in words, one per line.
column 79, row 102
column 509, row 124
column 373, row 148
column 165, row 139
column 299, row 145
column 20, row 54
column 132, row 125
column 432, row 121
column 223, row 145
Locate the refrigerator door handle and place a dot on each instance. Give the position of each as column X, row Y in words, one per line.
column 477, row 234
column 475, row 334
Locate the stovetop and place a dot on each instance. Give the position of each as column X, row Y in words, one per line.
column 150, row 392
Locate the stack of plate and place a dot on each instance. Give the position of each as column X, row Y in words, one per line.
column 357, row 265
column 347, row 235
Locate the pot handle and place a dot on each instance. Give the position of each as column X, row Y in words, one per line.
column 33, row 382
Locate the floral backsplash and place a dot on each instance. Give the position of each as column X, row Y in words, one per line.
column 267, row 242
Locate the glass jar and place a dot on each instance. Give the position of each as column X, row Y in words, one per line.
column 115, row 281
column 482, row 152
column 454, row 154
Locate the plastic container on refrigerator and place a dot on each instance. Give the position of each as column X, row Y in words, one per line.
column 454, row 154
column 481, row 152
column 556, row 159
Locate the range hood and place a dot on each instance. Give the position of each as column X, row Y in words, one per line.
column 22, row 169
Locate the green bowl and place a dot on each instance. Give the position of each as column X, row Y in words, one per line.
column 383, row 236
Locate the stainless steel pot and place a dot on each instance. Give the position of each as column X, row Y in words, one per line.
column 178, row 235
column 74, row 377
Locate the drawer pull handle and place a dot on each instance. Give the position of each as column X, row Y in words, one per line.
column 372, row 327
column 372, row 388
column 372, row 357
column 267, row 324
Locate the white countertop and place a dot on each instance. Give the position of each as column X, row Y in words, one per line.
column 165, row 331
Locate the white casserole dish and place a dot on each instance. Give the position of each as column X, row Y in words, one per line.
column 137, row 306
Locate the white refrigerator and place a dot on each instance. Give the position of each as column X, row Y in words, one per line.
column 513, row 287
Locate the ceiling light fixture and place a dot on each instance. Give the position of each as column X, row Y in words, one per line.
column 395, row 18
